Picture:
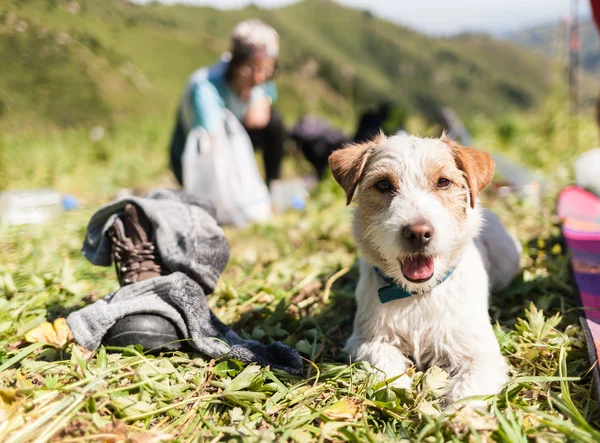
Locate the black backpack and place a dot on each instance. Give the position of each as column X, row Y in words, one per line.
column 317, row 140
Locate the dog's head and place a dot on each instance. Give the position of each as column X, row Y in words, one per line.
column 416, row 203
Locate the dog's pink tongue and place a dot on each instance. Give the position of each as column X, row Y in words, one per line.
column 418, row 268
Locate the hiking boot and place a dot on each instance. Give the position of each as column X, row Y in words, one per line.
column 154, row 333
column 134, row 254
column 136, row 259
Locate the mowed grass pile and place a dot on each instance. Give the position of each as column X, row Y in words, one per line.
column 290, row 280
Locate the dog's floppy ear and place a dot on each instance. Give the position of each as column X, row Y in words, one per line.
column 478, row 166
column 347, row 165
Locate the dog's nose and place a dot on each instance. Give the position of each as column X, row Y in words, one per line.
column 418, row 234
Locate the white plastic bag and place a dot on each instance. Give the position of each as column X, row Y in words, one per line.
column 223, row 169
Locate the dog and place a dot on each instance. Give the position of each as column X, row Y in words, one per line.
column 422, row 295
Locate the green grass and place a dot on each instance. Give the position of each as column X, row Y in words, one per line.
column 135, row 154
column 291, row 280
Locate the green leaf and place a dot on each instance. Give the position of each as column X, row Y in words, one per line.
column 21, row 355
column 385, row 397
column 5, row 325
column 250, row 377
column 236, row 415
column 227, row 368
column 258, row 334
column 51, row 381
column 304, row 347
column 9, row 284
column 131, row 406
column 244, row 396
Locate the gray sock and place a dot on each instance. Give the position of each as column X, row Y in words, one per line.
column 194, row 251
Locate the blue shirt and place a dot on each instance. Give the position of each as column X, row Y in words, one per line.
column 207, row 95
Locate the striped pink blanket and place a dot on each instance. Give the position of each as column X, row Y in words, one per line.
column 579, row 211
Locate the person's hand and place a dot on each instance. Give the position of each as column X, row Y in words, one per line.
column 258, row 114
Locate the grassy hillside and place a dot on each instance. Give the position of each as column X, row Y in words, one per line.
column 88, row 62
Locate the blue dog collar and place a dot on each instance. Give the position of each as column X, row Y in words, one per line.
column 394, row 292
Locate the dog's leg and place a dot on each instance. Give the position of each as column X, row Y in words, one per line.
column 480, row 374
column 385, row 357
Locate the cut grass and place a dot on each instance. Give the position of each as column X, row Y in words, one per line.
column 290, row 280
column 275, row 292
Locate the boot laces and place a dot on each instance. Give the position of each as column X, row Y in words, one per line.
column 126, row 255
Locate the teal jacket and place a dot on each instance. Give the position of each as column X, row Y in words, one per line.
column 207, row 94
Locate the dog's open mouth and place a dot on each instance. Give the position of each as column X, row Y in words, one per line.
column 417, row 269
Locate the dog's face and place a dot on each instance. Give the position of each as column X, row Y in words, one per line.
column 416, row 203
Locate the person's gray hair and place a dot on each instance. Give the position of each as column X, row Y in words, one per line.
column 253, row 37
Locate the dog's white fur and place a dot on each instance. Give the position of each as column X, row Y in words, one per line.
column 446, row 325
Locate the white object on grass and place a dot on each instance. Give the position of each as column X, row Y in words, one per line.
column 33, row 206
column 288, row 194
column 222, row 168
column 587, row 170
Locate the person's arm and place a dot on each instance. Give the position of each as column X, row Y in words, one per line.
column 258, row 113
column 207, row 107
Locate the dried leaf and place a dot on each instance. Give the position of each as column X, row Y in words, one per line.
column 43, row 333
column 57, row 334
column 345, row 409
column 63, row 332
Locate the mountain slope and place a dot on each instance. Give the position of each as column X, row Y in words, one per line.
column 114, row 59
column 551, row 40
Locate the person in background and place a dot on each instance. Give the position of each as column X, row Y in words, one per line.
column 242, row 81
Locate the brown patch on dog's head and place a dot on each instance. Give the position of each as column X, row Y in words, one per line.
column 370, row 199
column 454, row 197
column 477, row 166
column 347, row 164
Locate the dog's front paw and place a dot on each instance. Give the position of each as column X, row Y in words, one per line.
column 470, row 384
column 386, row 361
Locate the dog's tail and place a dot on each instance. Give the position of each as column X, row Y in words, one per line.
column 500, row 252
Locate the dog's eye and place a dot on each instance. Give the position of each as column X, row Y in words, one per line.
column 443, row 183
column 383, row 185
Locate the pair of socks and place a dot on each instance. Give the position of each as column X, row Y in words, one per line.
column 194, row 252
